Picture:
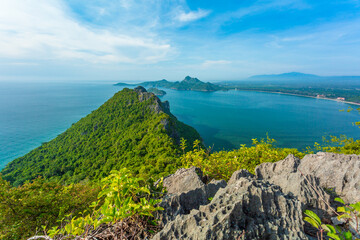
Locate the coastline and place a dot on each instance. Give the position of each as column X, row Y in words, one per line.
column 299, row 95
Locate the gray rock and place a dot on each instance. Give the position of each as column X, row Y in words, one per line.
column 266, row 206
column 182, row 203
column 306, row 188
column 256, row 208
column 239, row 174
column 339, row 172
column 184, row 180
column 286, row 166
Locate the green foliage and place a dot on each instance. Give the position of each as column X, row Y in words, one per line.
column 123, row 197
column 221, row 165
column 24, row 210
column 347, row 212
column 335, row 144
column 123, row 132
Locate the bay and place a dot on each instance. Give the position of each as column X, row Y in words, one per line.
column 226, row 120
column 32, row 113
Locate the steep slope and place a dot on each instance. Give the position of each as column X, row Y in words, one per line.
column 133, row 129
column 189, row 83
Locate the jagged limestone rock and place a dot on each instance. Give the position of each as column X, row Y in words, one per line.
column 268, row 205
column 239, row 174
column 306, row 188
column 186, row 191
column 339, row 172
column 255, row 208
column 184, row 180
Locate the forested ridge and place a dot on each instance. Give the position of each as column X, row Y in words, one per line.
column 132, row 129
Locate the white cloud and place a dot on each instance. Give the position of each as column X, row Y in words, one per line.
column 192, row 15
column 42, row 30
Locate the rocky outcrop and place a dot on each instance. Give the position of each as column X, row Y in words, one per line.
column 254, row 209
column 240, row 174
column 184, row 180
column 305, row 187
column 186, row 191
column 267, row 205
column 157, row 106
column 338, row 172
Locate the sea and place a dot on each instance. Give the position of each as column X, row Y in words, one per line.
column 35, row 112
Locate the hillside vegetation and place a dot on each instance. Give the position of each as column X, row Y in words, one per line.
column 132, row 129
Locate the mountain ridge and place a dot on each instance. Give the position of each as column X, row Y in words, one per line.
column 132, row 129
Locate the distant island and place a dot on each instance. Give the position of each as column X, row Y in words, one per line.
column 189, row 84
column 157, row 92
column 339, row 88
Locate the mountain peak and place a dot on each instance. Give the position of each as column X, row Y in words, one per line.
column 189, row 79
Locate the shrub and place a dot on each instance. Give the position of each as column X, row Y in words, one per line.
column 221, row 165
column 125, row 206
column 336, row 144
column 25, row 209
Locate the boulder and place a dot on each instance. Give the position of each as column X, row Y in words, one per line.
column 184, row 180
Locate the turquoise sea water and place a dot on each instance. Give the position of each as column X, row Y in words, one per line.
column 32, row 113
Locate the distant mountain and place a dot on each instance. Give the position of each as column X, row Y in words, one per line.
column 189, row 83
column 297, row 79
column 133, row 129
column 284, row 76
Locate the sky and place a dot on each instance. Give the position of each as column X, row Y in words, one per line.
column 140, row 40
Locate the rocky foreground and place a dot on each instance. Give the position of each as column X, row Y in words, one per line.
column 267, row 205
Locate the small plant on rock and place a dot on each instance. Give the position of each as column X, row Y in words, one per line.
column 349, row 214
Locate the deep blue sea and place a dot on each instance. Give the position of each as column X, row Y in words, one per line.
column 32, row 113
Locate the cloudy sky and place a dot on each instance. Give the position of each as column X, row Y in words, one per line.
column 135, row 40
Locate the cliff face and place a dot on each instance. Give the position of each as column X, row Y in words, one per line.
column 268, row 205
column 133, row 129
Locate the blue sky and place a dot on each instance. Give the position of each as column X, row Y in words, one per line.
column 130, row 40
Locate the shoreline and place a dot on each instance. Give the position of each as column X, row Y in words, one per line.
column 299, row 95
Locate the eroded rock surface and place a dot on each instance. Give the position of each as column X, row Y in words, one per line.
column 305, row 187
column 339, row 172
column 267, row 205
column 184, row 180
column 186, row 191
column 255, row 208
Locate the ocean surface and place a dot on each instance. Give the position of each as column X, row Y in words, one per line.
column 32, row 113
